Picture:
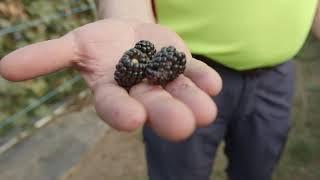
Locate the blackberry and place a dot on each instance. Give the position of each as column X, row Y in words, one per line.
column 146, row 47
column 165, row 66
column 131, row 68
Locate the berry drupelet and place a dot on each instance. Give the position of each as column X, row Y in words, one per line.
column 165, row 66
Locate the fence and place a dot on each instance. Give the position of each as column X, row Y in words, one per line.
column 54, row 92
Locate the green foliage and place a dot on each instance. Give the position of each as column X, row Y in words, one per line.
column 15, row 96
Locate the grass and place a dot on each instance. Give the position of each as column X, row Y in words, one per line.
column 301, row 159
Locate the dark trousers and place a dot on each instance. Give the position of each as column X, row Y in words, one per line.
column 253, row 121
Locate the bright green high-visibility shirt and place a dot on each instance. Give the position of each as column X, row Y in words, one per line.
column 240, row 34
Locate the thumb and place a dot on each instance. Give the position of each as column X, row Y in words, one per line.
column 39, row 59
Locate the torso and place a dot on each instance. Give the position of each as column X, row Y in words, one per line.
column 240, row 34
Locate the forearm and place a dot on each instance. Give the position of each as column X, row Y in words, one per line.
column 316, row 23
column 140, row 10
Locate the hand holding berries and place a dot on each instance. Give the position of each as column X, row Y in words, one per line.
column 172, row 111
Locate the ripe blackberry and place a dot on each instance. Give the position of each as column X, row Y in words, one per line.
column 165, row 66
column 146, row 47
column 131, row 68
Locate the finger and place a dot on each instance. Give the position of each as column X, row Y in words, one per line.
column 202, row 106
column 117, row 108
column 170, row 118
column 38, row 59
column 204, row 76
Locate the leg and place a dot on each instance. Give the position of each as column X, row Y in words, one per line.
column 192, row 159
column 257, row 135
column 187, row 160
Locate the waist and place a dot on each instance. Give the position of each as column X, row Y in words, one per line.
column 215, row 64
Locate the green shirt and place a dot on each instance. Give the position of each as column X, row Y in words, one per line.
column 242, row 34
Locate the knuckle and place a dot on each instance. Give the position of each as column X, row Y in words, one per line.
column 180, row 84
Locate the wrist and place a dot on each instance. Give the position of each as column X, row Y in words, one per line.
column 138, row 10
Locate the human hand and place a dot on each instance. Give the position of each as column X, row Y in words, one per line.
column 173, row 111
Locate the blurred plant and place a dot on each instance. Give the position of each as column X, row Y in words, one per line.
column 15, row 96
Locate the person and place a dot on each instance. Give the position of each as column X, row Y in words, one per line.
column 248, row 43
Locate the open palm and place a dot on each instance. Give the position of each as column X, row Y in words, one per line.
column 94, row 50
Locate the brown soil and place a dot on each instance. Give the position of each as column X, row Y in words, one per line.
column 115, row 156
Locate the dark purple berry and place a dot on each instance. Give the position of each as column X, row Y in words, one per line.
column 146, row 47
column 165, row 66
column 130, row 70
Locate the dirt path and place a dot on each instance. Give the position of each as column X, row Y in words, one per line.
column 120, row 156
column 54, row 149
column 116, row 156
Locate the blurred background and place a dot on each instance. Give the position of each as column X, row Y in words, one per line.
column 49, row 129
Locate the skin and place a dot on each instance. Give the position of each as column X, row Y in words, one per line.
column 126, row 9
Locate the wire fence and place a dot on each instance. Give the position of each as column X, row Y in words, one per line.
column 40, row 101
column 34, row 23
column 26, row 25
